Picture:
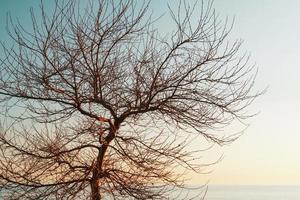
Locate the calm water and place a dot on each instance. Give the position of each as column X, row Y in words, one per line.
column 253, row 193
column 243, row 193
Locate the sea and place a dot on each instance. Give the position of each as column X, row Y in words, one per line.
column 221, row 192
column 218, row 192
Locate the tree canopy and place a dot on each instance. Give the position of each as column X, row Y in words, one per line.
column 97, row 103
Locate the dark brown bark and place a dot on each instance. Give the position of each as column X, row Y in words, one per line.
column 97, row 168
column 95, row 189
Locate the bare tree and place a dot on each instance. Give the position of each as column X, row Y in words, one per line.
column 96, row 103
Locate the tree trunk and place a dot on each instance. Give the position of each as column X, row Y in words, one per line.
column 97, row 169
column 95, row 189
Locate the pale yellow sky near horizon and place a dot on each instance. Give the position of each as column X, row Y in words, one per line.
column 268, row 153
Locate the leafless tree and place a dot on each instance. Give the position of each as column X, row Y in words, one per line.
column 96, row 103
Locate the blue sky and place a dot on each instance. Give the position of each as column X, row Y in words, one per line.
column 268, row 152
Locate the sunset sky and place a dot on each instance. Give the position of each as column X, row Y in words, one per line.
column 269, row 150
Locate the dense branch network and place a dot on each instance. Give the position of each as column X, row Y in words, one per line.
column 96, row 102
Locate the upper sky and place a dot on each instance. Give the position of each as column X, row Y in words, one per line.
column 269, row 150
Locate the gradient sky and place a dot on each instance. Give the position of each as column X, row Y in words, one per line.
column 269, row 150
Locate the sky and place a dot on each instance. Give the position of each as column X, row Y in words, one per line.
column 268, row 152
